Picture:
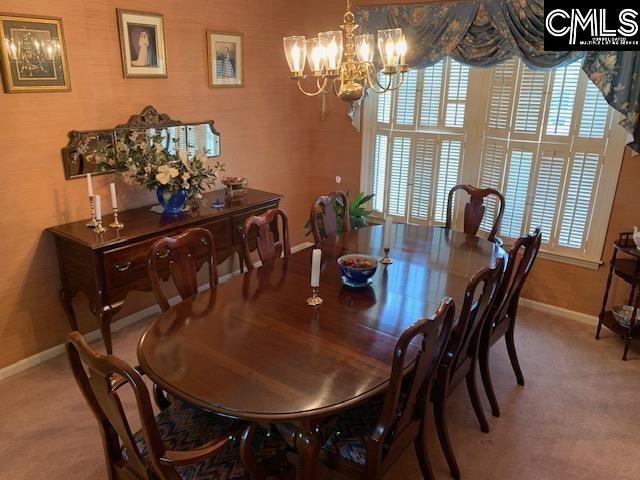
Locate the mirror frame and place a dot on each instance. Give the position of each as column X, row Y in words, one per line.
column 148, row 118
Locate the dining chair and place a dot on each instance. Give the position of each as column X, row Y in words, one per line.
column 475, row 208
column 368, row 439
column 324, row 218
column 181, row 442
column 271, row 244
column 502, row 318
column 461, row 355
column 185, row 253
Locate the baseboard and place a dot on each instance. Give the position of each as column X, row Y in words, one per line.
column 38, row 358
column 562, row 312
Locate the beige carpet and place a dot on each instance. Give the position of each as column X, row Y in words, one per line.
column 577, row 417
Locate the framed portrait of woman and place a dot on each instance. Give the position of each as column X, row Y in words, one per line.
column 142, row 44
column 226, row 59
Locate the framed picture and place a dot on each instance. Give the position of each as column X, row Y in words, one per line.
column 226, row 59
column 142, row 44
column 33, row 54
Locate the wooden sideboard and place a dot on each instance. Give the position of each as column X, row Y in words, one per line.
column 108, row 266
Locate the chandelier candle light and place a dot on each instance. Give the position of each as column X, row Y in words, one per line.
column 314, row 300
column 344, row 63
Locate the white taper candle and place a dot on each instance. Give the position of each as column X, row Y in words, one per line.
column 315, row 267
column 114, row 199
column 98, row 208
column 388, row 226
column 89, row 185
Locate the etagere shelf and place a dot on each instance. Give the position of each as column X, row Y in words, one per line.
column 625, row 264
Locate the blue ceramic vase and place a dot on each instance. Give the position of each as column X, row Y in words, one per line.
column 174, row 203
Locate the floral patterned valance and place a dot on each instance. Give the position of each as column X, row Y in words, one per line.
column 617, row 75
column 478, row 33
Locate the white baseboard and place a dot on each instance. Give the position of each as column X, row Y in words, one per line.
column 52, row 352
column 562, row 312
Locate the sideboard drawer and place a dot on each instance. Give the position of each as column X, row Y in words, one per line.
column 127, row 264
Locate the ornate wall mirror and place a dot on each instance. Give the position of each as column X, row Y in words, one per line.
column 97, row 152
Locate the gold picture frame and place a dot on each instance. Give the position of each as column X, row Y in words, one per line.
column 33, row 54
column 142, row 36
column 225, row 59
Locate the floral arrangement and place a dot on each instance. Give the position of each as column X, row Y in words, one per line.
column 151, row 165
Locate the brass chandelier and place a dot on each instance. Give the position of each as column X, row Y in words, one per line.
column 347, row 67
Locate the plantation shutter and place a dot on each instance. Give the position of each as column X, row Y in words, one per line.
column 399, row 175
column 563, row 97
column 530, row 101
column 448, row 171
column 421, row 192
column 431, row 95
column 547, row 193
column 380, row 171
column 516, row 191
column 406, row 104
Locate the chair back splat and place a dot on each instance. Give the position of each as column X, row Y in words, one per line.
column 185, row 254
column 475, row 208
column 269, row 241
column 324, row 217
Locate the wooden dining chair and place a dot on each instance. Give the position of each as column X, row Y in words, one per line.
column 475, row 208
column 324, row 218
column 181, row 442
column 461, row 355
column 502, row 318
column 270, row 242
column 368, row 439
column 185, row 254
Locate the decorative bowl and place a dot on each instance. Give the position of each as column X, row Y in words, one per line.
column 622, row 314
column 236, row 187
column 357, row 269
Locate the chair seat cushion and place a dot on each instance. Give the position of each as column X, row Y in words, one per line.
column 352, row 431
column 184, row 427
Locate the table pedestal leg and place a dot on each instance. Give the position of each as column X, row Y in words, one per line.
column 308, row 447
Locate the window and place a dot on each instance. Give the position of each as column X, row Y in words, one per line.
column 546, row 139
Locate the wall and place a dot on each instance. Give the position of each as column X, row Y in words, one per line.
column 264, row 126
column 336, row 148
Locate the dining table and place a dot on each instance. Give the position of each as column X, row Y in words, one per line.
column 251, row 348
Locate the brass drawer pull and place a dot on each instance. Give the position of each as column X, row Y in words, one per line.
column 123, row 267
column 204, row 241
column 164, row 254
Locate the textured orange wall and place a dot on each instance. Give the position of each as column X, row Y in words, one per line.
column 265, row 129
column 336, row 149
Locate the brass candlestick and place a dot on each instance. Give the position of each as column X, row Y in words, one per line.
column 92, row 205
column 116, row 223
column 99, row 228
column 314, row 300
column 386, row 260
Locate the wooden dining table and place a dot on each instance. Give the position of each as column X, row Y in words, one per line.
column 253, row 349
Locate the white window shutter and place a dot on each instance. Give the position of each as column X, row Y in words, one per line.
column 502, row 92
column 457, row 85
column 563, row 96
column 494, row 159
column 399, row 175
column 432, row 95
column 531, row 96
column 448, row 172
column 406, row 103
column 546, row 199
column 379, row 169
column 595, row 113
column 516, row 192
column 578, row 204
column 384, row 104
column 421, row 192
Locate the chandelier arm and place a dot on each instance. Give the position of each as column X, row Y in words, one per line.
column 312, row 94
column 374, row 83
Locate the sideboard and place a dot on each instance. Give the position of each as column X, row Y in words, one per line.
column 107, row 266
